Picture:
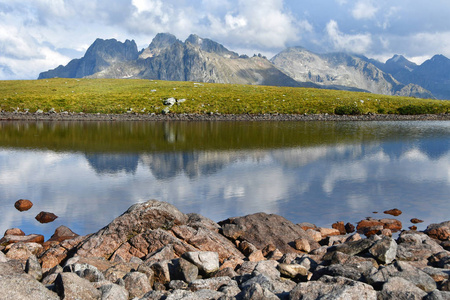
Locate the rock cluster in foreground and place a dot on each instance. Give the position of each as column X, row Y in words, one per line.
column 153, row 251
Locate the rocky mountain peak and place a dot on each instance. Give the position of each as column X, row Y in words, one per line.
column 210, row 46
column 113, row 49
column 160, row 42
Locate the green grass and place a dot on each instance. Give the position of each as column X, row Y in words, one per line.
column 116, row 96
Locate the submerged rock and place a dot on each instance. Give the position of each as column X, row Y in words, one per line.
column 46, row 217
column 23, row 205
column 393, row 212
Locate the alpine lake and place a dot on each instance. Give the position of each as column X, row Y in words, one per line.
column 88, row 173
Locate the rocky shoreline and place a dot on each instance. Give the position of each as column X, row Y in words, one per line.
column 154, row 251
column 22, row 116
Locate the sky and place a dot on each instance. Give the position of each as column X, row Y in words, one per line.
column 39, row 35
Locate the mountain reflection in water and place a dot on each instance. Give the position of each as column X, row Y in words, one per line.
column 318, row 172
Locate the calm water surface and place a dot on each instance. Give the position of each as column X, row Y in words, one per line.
column 318, row 172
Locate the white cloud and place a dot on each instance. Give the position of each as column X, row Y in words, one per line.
column 357, row 43
column 36, row 31
column 364, row 9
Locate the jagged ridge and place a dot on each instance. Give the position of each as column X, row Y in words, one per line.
column 204, row 60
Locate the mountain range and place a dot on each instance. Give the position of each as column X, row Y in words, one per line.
column 204, row 60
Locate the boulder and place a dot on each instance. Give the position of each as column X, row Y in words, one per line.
column 406, row 271
column 440, row 231
column 256, row 292
column 22, row 251
column 23, row 205
column 294, row 271
column 113, row 292
column 31, row 238
column 400, row 288
column 138, row 219
column 339, row 226
column 62, row 233
column 262, row 229
column 71, row 286
column 46, row 217
column 59, row 252
column 85, row 271
column 355, row 247
column 333, row 288
column 14, row 231
column 213, row 284
column 384, row 250
column 207, row 238
column 206, row 261
column 33, row 267
column 187, row 270
column 24, row 287
column 268, row 268
column 137, row 284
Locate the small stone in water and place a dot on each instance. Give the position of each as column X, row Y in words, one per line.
column 46, row 217
column 23, row 204
column 394, row 212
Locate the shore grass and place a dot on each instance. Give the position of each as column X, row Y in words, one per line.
column 116, row 96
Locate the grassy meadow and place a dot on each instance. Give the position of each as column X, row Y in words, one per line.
column 117, row 96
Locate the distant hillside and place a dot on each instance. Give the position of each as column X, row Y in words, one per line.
column 343, row 70
column 204, row 60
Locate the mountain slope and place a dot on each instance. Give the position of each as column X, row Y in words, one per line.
column 433, row 74
column 99, row 56
column 343, row 70
column 204, row 60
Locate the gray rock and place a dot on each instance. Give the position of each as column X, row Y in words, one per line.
column 200, row 295
column 406, row 271
column 187, row 270
column 170, row 101
column 206, row 261
column 33, row 267
column 50, row 276
column 400, row 288
column 24, row 287
column 3, row 257
column 438, row 274
column 177, row 285
column 71, row 286
column 113, row 292
column 155, row 295
column 355, row 247
column 437, row 295
column 211, row 283
column 137, row 284
column 255, row 291
column 352, row 271
column 267, row 268
column 165, row 253
column 161, row 271
column 336, row 288
column 278, row 286
column 11, row 268
column 85, row 271
column 384, row 250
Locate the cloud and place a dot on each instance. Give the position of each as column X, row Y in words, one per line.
column 35, row 35
column 357, row 43
column 364, row 9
